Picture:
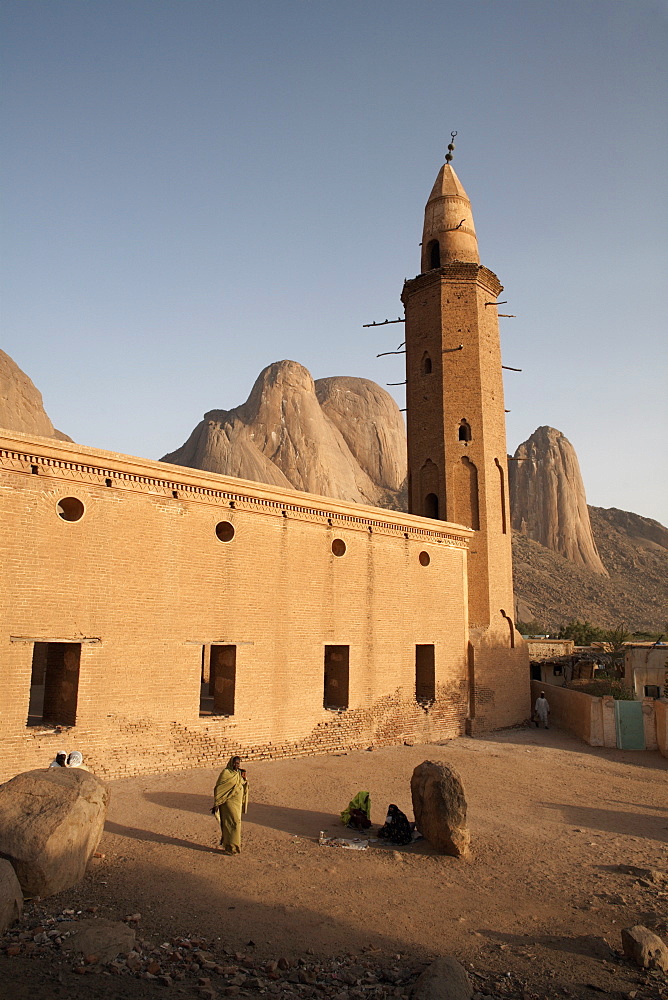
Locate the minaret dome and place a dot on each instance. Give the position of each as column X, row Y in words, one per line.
column 449, row 232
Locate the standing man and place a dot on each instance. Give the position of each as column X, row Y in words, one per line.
column 230, row 801
column 542, row 709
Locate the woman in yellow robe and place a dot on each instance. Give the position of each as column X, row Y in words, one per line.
column 230, row 801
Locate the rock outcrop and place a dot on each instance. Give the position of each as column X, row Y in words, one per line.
column 552, row 591
column 11, row 897
column 547, row 498
column 51, row 822
column 339, row 437
column 439, row 805
column 21, row 406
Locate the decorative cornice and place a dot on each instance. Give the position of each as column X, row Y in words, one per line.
column 458, row 271
column 284, row 503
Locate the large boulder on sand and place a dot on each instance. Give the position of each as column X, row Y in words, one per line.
column 11, row 897
column 51, row 822
column 439, row 806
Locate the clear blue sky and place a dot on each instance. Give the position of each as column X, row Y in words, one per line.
column 192, row 190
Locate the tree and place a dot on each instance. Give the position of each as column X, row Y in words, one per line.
column 582, row 633
column 615, row 640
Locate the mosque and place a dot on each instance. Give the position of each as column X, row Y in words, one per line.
column 159, row 618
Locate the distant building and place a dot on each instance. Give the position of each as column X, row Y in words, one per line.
column 646, row 669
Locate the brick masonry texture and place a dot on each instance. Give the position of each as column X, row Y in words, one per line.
column 142, row 582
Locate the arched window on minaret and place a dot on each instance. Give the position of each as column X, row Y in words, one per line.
column 426, row 364
column 429, row 491
column 434, row 254
column 431, row 506
column 466, row 494
column 464, row 430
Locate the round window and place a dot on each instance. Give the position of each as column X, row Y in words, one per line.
column 338, row 547
column 425, row 558
column 225, row 531
column 70, row 509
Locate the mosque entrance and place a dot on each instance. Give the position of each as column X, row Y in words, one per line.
column 54, row 683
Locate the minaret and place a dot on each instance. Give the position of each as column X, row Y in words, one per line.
column 457, row 464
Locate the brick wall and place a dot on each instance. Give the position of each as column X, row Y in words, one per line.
column 142, row 582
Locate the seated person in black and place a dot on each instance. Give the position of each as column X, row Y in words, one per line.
column 396, row 828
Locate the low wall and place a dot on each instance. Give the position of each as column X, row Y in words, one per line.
column 592, row 719
column 578, row 713
column 661, row 715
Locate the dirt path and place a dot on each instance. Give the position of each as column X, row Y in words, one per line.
column 557, row 829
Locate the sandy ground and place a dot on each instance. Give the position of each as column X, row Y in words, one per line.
column 559, row 831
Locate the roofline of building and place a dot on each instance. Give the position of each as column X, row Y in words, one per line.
column 175, row 476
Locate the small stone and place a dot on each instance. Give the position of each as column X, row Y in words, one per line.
column 13, row 950
column 153, row 968
column 91, row 959
column 165, row 980
column 231, row 991
column 283, row 964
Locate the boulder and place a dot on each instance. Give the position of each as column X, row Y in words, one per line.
column 100, row 939
column 338, row 437
column 439, row 806
column 547, row 498
column 11, row 897
column 51, row 822
column 21, row 407
column 445, row 979
column 645, row 948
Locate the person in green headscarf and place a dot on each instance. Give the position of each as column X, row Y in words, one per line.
column 230, row 801
column 358, row 814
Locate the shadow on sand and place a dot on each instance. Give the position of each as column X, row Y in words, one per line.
column 630, row 824
column 301, row 822
column 155, row 838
